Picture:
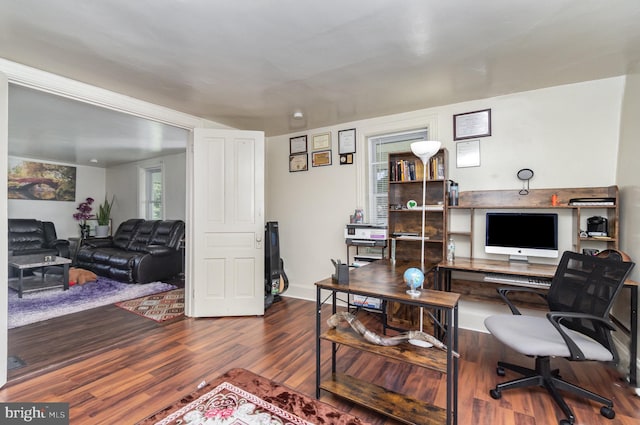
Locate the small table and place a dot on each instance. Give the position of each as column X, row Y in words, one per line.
column 33, row 283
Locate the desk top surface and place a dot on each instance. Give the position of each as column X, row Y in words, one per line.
column 484, row 265
column 384, row 279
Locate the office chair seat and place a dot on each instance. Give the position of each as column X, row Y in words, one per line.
column 576, row 327
column 536, row 336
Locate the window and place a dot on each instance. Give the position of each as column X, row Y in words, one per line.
column 152, row 191
column 379, row 148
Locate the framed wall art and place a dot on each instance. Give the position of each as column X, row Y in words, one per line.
column 297, row 144
column 321, row 158
column 346, row 158
column 347, row 141
column 321, row 141
column 468, row 154
column 40, row 181
column 471, row 125
column 298, row 162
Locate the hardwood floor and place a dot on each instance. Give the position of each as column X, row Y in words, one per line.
column 129, row 367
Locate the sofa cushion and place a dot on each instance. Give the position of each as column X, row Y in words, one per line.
column 141, row 238
column 125, row 232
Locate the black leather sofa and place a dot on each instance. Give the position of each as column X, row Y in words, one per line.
column 141, row 251
column 29, row 236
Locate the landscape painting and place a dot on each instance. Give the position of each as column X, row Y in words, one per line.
column 41, row 181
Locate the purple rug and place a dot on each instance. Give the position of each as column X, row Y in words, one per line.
column 42, row 305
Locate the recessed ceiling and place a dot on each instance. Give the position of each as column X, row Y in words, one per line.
column 250, row 64
column 53, row 128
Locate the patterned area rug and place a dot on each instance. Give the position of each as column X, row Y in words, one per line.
column 158, row 307
column 242, row 397
column 46, row 304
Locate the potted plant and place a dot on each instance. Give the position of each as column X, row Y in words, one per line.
column 102, row 217
column 84, row 213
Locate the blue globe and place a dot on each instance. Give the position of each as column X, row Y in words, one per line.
column 413, row 277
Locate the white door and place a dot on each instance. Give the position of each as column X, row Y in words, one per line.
column 4, row 136
column 225, row 225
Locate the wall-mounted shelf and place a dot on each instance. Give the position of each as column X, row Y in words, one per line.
column 541, row 199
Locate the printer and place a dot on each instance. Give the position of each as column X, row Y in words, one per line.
column 364, row 231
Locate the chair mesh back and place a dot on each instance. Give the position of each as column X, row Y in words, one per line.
column 587, row 284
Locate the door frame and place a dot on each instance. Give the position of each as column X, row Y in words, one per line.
column 50, row 83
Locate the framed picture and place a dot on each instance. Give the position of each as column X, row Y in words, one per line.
column 298, row 144
column 321, row 158
column 346, row 158
column 468, row 154
column 472, row 124
column 298, row 162
column 347, row 141
column 40, row 181
column 322, row 141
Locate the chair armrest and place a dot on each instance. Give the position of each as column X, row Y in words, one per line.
column 159, row 250
column 555, row 317
column 504, row 292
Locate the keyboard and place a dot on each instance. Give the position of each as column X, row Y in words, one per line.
column 535, row 282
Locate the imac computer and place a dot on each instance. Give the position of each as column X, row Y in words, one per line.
column 522, row 235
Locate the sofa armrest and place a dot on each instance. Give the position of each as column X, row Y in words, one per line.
column 62, row 246
column 159, row 250
column 58, row 243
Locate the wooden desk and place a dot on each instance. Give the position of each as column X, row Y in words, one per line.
column 383, row 280
column 483, row 265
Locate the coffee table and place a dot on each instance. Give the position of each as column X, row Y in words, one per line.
column 24, row 284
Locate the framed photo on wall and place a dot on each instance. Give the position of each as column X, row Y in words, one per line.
column 347, row 141
column 297, row 144
column 298, row 162
column 321, row 158
column 321, row 141
column 471, row 125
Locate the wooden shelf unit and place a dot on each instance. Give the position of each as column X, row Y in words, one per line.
column 541, row 199
column 404, row 220
column 383, row 279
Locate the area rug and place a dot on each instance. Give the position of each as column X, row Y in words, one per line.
column 42, row 305
column 244, row 398
column 159, row 307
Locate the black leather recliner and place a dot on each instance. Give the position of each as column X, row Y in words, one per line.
column 29, row 236
column 141, row 251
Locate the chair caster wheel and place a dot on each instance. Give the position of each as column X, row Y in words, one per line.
column 495, row 394
column 565, row 422
column 500, row 371
column 607, row 412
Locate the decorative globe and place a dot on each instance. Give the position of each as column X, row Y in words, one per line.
column 414, row 278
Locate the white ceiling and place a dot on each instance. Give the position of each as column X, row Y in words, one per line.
column 250, row 64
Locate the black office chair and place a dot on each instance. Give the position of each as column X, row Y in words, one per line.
column 577, row 327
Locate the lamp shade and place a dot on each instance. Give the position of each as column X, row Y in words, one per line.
column 425, row 149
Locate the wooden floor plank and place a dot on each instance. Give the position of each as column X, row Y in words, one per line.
column 113, row 366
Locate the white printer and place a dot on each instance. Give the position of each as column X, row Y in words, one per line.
column 365, row 231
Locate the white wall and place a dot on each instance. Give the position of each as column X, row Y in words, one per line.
column 567, row 134
column 90, row 182
column 628, row 179
column 122, row 181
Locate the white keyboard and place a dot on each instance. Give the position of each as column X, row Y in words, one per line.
column 508, row 279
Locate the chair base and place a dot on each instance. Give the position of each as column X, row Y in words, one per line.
column 543, row 376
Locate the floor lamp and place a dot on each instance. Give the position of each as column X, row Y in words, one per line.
column 424, row 150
